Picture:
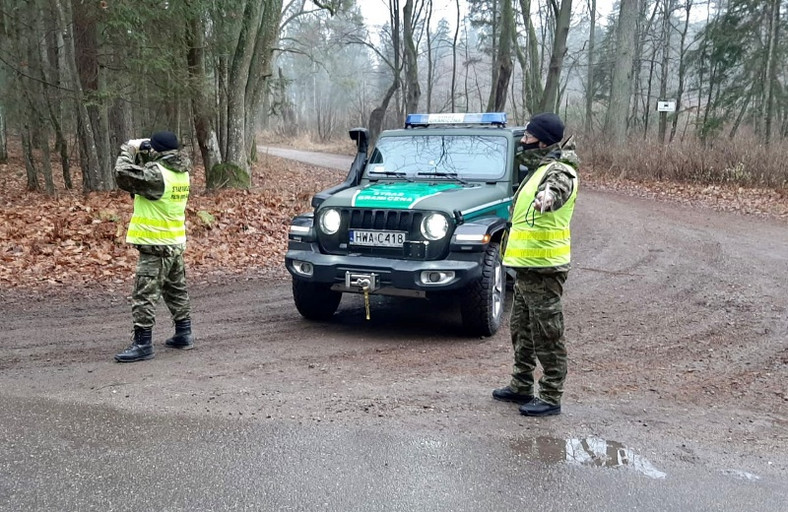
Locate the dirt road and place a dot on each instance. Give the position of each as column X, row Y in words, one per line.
column 677, row 328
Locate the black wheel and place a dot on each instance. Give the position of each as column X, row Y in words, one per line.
column 315, row 301
column 482, row 302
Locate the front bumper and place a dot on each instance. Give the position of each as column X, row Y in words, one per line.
column 393, row 276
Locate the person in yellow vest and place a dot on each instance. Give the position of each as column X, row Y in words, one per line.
column 538, row 249
column 156, row 174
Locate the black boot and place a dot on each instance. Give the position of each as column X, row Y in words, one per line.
column 538, row 407
column 183, row 335
column 507, row 394
column 140, row 349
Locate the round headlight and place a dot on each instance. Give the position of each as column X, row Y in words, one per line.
column 330, row 221
column 434, row 226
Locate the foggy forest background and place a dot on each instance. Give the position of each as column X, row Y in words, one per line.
column 658, row 89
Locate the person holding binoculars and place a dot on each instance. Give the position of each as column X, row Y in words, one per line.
column 156, row 173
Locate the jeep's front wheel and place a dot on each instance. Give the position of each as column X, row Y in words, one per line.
column 315, row 301
column 482, row 303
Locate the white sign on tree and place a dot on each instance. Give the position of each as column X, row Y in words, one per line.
column 666, row 106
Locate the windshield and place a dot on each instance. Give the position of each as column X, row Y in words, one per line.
column 473, row 157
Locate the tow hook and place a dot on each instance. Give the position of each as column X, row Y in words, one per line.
column 366, row 282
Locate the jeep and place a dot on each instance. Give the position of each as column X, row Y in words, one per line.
column 422, row 215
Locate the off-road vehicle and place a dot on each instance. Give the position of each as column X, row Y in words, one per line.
column 422, row 215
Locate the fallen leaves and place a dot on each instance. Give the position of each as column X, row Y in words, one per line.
column 78, row 240
column 729, row 198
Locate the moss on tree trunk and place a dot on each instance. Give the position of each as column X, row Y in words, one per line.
column 228, row 176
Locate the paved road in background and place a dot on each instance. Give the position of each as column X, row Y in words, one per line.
column 320, row 159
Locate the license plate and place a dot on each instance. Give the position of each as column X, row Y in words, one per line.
column 377, row 238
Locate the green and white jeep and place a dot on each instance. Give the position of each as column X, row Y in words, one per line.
column 422, row 215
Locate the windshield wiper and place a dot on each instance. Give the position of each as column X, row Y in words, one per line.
column 395, row 174
column 449, row 175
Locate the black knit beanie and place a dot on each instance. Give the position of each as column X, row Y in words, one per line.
column 547, row 127
column 164, row 141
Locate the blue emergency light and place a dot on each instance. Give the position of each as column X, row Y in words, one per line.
column 489, row 118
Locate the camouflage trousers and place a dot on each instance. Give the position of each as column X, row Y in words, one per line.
column 161, row 273
column 537, row 327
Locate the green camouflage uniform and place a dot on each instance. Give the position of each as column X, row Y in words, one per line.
column 161, row 272
column 537, row 319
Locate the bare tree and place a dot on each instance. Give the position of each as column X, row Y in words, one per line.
column 378, row 113
column 502, row 67
column 771, row 65
column 410, row 17
column 453, row 92
column 590, row 89
column 530, row 62
column 93, row 177
column 202, row 110
column 682, row 69
column 563, row 17
column 621, row 83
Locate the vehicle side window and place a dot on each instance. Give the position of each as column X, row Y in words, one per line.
column 377, row 157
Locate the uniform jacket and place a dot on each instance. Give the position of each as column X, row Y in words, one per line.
column 137, row 172
column 560, row 178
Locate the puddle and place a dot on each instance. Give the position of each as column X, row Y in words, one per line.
column 589, row 451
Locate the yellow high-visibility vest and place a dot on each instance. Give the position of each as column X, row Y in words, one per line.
column 539, row 239
column 161, row 222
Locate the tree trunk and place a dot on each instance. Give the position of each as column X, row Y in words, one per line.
column 86, row 48
column 454, row 58
column 682, row 69
column 589, row 118
column 430, row 64
column 378, row 114
column 92, row 176
column 46, row 163
column 30, row 165
column 563, row 19
column 3, row 137
column 529, row 62
column 742, row 112
column 56, row 113
column 647, row 102
column 410, row 59
column 641, row 35
column 503, row 63
column 621, row 83
column 771, row 65
column 237, row 173
column 261, row 67
column 201, row 106
column 663, row 80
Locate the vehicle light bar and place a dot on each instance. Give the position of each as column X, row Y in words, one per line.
column 491, row 118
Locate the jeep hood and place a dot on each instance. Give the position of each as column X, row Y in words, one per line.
column 447, row 197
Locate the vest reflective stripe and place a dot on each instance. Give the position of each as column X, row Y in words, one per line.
column 538, row 253
column 539, row 235
column 539, row 239
column 161, row 222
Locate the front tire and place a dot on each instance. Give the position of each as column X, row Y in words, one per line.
column 482, row 302
column 315, row 301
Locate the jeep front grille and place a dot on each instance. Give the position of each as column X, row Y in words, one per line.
column 372, row 219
